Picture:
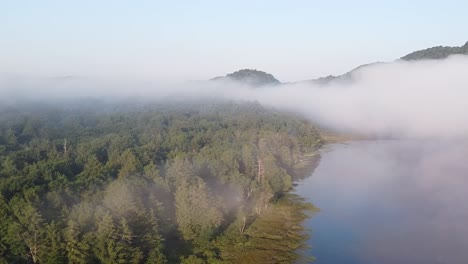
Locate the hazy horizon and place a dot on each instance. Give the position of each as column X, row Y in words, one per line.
column 116, row 146
column 160, row 41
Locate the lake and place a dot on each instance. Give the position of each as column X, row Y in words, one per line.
column 390, row 201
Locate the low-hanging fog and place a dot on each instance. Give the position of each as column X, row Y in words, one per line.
column 412, row 99
column 402, row 99
column 423, row 100
column 398, row 201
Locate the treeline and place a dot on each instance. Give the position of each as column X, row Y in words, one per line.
column 141, row 183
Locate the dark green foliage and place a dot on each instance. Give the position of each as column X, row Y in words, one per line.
column 253, row 78
column 149, row 183
column 438, row 52
column 434, row 53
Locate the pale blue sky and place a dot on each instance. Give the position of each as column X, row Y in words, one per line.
column 183, row 40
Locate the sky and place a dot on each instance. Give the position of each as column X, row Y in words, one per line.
column 195, row 40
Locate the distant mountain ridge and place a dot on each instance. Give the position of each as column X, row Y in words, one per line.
column 343, row 77
column 257, row 78
column 439, row 52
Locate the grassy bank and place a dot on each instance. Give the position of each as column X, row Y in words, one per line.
column 277, row 234
column 274, row 237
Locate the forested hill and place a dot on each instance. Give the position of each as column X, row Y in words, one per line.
column 439, row 52
column 249, row 77
column 151, row 183
column 346, row 77
column 257, row 78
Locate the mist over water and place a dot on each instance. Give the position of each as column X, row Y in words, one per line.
column 392, row 201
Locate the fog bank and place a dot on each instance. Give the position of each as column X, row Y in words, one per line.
column 390, row 201
column 400, row 99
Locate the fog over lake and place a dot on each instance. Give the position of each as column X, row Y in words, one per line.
column 390, row 201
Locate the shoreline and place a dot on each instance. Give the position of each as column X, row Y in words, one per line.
column 278, row 234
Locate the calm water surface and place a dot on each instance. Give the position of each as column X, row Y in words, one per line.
column 390, row 202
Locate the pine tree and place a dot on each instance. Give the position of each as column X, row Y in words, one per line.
column 77, row 250
column 106, row 237
column 27, row 228
column 130, row 163
column 92, row 175
column 53, row 249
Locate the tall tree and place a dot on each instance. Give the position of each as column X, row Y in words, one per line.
column 196, row 210
column 28, row 229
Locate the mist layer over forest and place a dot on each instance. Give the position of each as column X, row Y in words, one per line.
column 100, row 171
column 423, row 98
column 137, row 182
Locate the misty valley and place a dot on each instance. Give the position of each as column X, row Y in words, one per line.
column 118, row 145
column 134, row 181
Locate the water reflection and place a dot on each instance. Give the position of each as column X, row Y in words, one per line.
column 390, row 202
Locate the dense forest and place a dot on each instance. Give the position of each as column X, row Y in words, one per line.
column 101, row 182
